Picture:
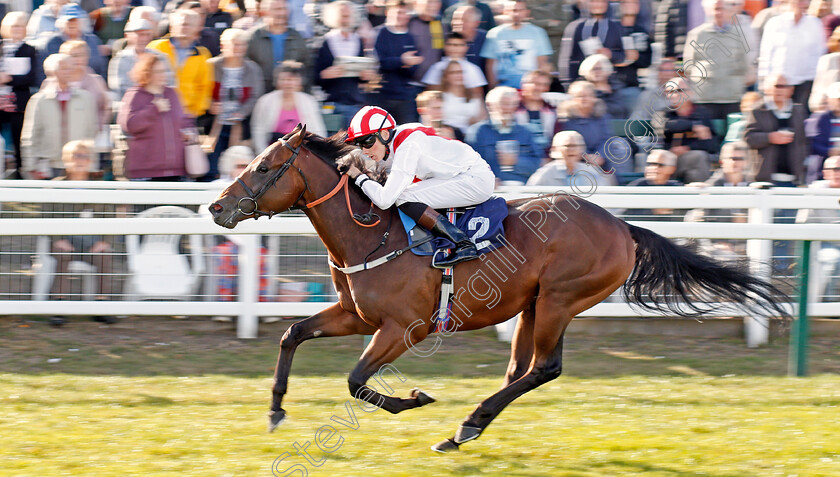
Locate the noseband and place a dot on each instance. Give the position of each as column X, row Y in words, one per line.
column 248, row 206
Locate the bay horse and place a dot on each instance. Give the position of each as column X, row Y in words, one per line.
column 563, row 255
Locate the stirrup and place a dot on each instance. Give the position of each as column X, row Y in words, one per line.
column 459, row 255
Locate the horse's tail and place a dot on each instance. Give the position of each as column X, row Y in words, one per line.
column 670, row 277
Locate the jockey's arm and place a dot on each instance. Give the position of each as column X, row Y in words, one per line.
column 400, row 177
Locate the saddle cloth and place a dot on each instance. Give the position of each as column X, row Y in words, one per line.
column 482, row 224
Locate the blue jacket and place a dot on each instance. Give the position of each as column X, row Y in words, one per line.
column 395, row 79
column 818, row 128
column 483, row 137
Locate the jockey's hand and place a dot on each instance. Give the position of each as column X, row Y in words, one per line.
column 353, row 172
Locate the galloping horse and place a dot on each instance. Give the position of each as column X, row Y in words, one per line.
column 563, row 255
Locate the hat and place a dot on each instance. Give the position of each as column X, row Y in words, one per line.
column 833, row 91
column 71, row 11
column 137, row 25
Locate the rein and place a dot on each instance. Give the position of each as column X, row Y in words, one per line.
column 248, row 206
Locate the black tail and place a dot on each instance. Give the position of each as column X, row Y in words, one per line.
column 670, row 277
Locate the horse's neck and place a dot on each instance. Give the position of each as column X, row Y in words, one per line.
column 347, row 242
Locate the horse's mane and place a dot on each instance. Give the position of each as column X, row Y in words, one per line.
column 328, row 149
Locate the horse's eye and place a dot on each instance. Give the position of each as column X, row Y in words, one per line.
column 262, row 169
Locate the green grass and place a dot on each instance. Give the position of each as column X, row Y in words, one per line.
column 167, row 397
column 215, row 425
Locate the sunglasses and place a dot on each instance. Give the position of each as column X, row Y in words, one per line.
column 831, row 168
column 366, row 142
column 738, row 158
column 656, row 164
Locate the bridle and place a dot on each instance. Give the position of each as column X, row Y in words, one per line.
column 248, row 206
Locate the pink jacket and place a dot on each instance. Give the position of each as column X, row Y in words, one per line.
column 155, row 144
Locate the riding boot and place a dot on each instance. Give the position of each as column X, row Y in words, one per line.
column 439, row 226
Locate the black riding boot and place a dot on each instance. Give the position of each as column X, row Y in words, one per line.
column 439, row 226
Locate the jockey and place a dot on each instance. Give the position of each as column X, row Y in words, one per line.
column 426, row 172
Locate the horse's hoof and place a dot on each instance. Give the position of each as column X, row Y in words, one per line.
column 421, row 397
column 466, row 433
column 275, row 418
column 445, row 446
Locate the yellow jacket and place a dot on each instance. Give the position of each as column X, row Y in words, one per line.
column 194, row 78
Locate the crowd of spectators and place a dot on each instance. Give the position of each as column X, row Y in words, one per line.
column 540, row 88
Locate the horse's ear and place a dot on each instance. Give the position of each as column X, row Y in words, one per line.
column 299, row 133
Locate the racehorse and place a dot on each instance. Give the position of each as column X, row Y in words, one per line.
column 563, row 255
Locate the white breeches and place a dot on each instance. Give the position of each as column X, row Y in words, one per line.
column 471, row 187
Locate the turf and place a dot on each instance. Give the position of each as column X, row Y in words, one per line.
column 140, row 398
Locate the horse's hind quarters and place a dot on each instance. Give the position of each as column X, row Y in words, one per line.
column 275, row 418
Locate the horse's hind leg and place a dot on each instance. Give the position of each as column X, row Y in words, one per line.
column 548, row 359
column 386, row 346
column 333, row 321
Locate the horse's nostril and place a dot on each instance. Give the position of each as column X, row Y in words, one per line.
column 216, row 209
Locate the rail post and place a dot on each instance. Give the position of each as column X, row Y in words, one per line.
column 798, row 354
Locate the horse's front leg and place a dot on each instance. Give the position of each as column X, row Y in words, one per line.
column 333, row 321
column 388, row 344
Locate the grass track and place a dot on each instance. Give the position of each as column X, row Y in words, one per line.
column 215, row 425
column 629, row 405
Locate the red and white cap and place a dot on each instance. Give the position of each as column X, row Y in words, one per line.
column 369, row 120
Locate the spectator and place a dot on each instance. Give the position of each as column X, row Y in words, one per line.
column 138, row 32
column 70, row 26
column 588, row 36
column 109, row 23
column 508, row 147
column 534, row 113
column 726, row 61
column 659, row 170
column 587, row 114
column 233, row 161
column 56, row 114
column 513, row 49
column 42, row 22
column 137, row 13
column 828, row 72
column 430, row 109
column 343, row 88
column 426, row 29
column 635, row 58
column 598, row 70
column 19, row 74
column 735, row 132
column 652, row 102
column 77, row 157
column 486, row 21
column 398, row 62
column 776, row 129
column 689, row 134
column 733, row 166
column 830, row 20
column 762, row 17
column 553, row 17
column 465, row 21
column 278, row 112
column 250, row 17
column 455, row 49
column 461, row 106
column 273, row 42
column 570, row 166
column 674, row 19
column 193, row 75
column 152, row 117
column 792, row 45
column 83, row 77
column 238, row 85
column 298, row 18
column 215, row 19
column 824, row 130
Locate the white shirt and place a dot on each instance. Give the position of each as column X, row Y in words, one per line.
column 791, row 49
column 341, row 46
column 458, row 111
column 473, row 76
column 422, row 156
